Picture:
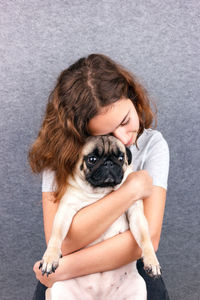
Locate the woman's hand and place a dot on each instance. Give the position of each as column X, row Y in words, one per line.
column 139, row 184
column 47, row 281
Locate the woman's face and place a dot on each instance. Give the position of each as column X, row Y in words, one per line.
column 120, row 119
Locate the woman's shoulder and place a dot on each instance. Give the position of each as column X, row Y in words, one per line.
column 150, row 135
column 48, row 181
column 152, row 154
column 155, row 142
column 151, row 139
column 150, row 144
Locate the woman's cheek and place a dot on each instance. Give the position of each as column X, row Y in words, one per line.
column 134, row 126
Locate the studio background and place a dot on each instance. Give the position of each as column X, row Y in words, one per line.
column 159, row 42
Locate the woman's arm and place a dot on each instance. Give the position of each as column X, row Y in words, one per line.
column 114, row 252
column 154, row 207
column 100, row 215
column 107, row 255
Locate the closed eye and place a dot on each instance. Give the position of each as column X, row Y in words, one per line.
column 125, row 123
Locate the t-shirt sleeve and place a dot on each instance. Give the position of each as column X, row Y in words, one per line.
column 157, row 161
column 48, row 181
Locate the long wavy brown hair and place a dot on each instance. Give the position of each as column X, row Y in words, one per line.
column 81, row 90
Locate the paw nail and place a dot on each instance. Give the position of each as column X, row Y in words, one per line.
column 40, row 265
column 53, row 269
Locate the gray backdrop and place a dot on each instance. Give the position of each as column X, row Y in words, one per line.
column 159, row 42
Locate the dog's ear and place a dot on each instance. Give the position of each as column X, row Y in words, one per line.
column 129, row 155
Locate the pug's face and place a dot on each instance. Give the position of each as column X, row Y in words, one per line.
column 103, row 161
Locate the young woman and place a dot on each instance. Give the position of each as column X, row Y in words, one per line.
column 96, row 96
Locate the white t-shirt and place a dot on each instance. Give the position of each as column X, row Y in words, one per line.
column 152, row 155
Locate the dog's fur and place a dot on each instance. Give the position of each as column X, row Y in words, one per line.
column 103, row 166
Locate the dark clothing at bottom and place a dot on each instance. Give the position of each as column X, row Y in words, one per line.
column 156, row 289
column 39, row 293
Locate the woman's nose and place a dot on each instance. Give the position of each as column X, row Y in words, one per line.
column 122, row 135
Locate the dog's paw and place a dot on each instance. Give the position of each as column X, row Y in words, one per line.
column 50, row 260
column 152, row 266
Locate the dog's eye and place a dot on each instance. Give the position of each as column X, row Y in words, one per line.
column 92, row 159
column 121, row 157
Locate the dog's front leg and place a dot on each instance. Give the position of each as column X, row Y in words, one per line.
column 61, row 225
column 140, row 230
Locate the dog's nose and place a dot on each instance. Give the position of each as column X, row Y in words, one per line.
column 108, row 163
